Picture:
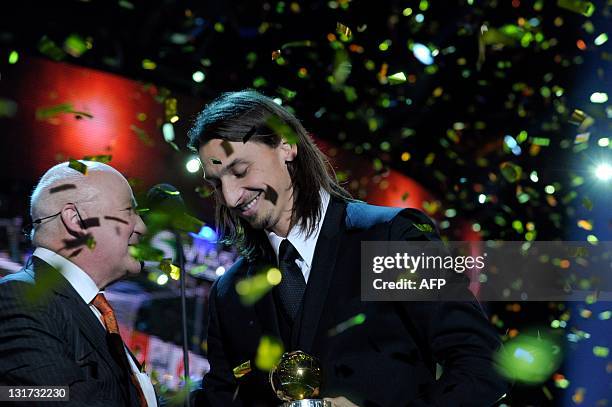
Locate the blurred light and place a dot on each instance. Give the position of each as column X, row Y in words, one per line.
column 168, row 132
column 274, row 276
column 450, row 213
column 476, row 227
column 482, row 198
column 601, row 39
column 534, row 176
column 512, row 145
column 198, row 76
column 422, row 53
column 278, row 101
column 162, row 279
column 603, row 172
column 220, row 271
column 148, row 64
column 207, row 233
column 407, row 12
column 174, row 119
column 549, row 189
column 193, row 165
column 419, row 18
column 13, row 57
column 603, row 142
column 599, row 97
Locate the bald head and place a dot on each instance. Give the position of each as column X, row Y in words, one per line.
column 62, row 184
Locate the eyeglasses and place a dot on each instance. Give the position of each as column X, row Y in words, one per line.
column 29, row 227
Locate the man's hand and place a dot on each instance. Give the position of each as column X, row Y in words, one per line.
column 341, row 402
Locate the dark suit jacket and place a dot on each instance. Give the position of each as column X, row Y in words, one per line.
column 389, row 360
column 49, row 336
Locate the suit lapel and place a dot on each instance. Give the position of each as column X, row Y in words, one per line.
column 89, row 325
column 321, row 273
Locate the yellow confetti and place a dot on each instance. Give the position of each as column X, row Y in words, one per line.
column 254, row 288
column 98, row 158
column 269, row 353
column 585, row 224
column 397, row 78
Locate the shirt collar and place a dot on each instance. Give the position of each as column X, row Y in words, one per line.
column 78, row 279
column 304, row 245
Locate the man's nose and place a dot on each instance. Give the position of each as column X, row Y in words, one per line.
column 231, row 193
column 141, row 227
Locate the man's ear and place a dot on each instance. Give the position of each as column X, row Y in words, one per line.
column 71, row 219
column 289, row 151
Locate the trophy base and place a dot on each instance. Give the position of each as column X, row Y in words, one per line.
column 307, row 403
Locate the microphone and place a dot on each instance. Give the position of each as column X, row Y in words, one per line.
column 165, row 202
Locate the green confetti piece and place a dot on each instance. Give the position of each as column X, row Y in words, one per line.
column 349, row 323
column 541, row 141
column 269, row 352
column 282, row 129
column 397, row 78
column 75, row 45
column 586, row 8
column 424, row 227
column 142, row 135
column 510, row 171
column 252, row 289
column 587, row 203
column 48, row 47
column 528, row 359
column 98, row 158
column 91, row 243
column 144, row 251
column 79, row 166
column 601, row 351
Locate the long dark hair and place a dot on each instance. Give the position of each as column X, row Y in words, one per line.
column 249, row 115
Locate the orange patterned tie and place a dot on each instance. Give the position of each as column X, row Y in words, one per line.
column 110, row 322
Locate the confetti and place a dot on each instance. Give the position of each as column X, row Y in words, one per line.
column 79, row 166
column 254, row 288
column 242, row 369
column 511, row 172
column 586, row 8
column 98, row 158
column 349, row 323
column 344, row 31
column 269, row 353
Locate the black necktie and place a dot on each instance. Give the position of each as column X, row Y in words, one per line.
column 292, row 286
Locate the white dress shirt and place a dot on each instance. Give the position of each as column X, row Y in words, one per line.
column 87, row 289
column 304, row 245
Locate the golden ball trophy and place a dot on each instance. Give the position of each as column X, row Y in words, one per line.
column 296, row 380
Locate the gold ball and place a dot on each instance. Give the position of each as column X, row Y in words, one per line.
column 296, row 377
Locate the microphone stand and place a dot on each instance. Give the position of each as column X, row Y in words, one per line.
column 180, row 257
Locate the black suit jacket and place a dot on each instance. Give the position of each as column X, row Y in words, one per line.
column 49, row 336
column 389, row 360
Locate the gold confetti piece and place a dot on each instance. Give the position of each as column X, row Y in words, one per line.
column 269, row 353
column 254, row 288
column 167, row 267
column 586, row 8
column 349, row 323
column 242, row 369
column 344, row 31
column 276, row 54
column 585, row 224
column 511, row 172
column 79, row 166
column 581, row 119
column 582, row 138
column 98, row 158
column 397, row 78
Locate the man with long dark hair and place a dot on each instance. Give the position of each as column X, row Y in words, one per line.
column 280, row 204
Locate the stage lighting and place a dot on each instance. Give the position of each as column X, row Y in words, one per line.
column 193, row 165
column 603, row 172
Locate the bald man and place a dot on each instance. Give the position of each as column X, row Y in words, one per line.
column 56, row 327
